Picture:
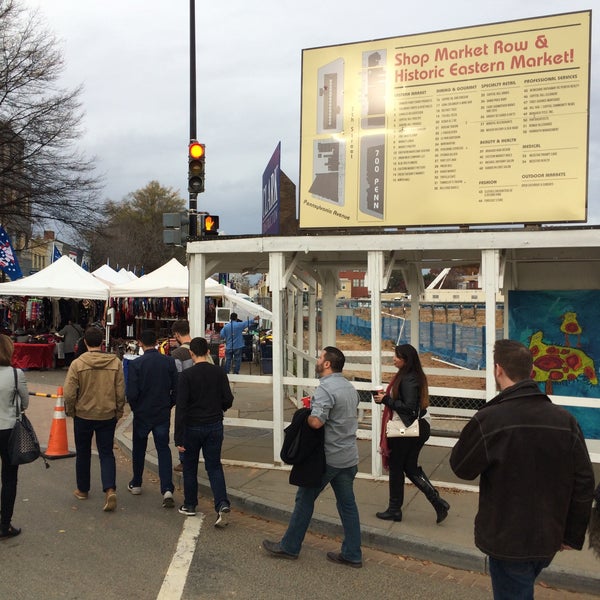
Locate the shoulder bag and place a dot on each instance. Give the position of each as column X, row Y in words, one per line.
column 23, row 444
column 396, row 428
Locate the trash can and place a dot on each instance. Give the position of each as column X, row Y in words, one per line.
column 247, row 349
column 266, row 359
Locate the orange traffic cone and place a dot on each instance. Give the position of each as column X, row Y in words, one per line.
column 58, row 446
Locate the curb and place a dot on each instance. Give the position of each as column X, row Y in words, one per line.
column 449, row 555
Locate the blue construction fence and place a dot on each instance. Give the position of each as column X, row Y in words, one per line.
column 459, row 344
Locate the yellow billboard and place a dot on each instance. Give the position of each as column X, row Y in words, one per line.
column 481, row 125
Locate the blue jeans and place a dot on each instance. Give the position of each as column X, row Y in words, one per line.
column 515, row 580
column 160, row 433
column 209, row 439
column 84, row 429
column 235, row 356
column 342, row 482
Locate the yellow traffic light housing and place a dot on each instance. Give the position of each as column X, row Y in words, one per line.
column 196, row 160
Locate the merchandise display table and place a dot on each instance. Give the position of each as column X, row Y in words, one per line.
column 33, row 356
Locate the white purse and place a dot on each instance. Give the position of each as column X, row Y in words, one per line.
column 396, row 428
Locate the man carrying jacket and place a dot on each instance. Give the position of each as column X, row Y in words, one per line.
column 151, row 388
column 536, row 478
column 334, row 408
column 94, row 394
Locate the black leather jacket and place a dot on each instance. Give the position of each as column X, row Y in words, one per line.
column 536, row 479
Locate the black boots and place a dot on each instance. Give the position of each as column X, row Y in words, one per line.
column 440, row 505
column 392, row 513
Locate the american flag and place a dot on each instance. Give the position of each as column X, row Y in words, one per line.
column 8, row 261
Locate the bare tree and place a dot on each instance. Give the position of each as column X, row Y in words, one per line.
column 132, row 229
column 43, row 176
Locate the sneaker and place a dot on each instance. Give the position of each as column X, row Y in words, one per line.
column 178, row 468
column 135, row 489
column 168, row 501
column 223, row 516
column 80, row 495
column 190, row 511
column 110, row 503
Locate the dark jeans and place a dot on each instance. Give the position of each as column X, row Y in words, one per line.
column 342, row 482
column 404, row 458
column 209, row 439
column 236, row 357
column 9, row 481
column 84, row 429
column 515, row 580
column 160, row 433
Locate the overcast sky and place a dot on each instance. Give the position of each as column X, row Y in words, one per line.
column 132, row 56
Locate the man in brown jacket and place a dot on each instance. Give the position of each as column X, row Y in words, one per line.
column 94, row 393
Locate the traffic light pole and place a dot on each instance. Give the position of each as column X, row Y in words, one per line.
column 193, row 204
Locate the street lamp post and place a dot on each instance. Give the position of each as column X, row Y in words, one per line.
column 193, row 203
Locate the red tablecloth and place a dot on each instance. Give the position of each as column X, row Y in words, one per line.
column 33, row 356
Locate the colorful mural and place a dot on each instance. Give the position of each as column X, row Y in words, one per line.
column 560, row 328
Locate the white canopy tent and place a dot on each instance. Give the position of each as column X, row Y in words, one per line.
column 111, row 277
column 244, row 308
column 61, row 279
column 172, row 281
column 168, row 281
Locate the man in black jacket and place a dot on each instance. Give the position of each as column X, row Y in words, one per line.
column 203, row 394
column 536, row 478
column 151, row 387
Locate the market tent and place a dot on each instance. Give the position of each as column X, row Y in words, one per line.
column 244, row 308
column 62, row 279
column 111, row 277
column 126, row 275
column 172, row 280
column 169, row 281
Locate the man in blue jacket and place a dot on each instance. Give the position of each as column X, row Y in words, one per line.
column 232, row 333
column 151, row 388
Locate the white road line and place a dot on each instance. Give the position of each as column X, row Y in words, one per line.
column 174, row 581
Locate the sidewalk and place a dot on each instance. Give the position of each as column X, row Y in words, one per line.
column 266, row 492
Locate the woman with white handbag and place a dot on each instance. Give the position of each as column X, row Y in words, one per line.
column 405, row 428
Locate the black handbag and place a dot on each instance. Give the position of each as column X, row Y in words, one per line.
column 23, row 444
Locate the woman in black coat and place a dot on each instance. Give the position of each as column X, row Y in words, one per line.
column 408, row 396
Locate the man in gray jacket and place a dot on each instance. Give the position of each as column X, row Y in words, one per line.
column 94, row 393
column 334, row 407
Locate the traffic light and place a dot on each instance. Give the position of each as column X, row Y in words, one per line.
column 176, row 228
column 209, row 225
column 196, row 159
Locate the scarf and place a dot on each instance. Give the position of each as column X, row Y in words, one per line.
column 388, row 413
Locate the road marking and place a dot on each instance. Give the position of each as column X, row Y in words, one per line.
column 174, row 581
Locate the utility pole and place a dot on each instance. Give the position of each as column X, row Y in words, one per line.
column 193, row 203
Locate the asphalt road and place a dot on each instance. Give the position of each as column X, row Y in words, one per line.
column 70, row 549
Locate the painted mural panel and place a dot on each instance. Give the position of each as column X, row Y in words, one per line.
column 561, row 329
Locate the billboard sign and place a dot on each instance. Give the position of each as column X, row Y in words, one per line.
column 480, row 125
column 271, row 199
